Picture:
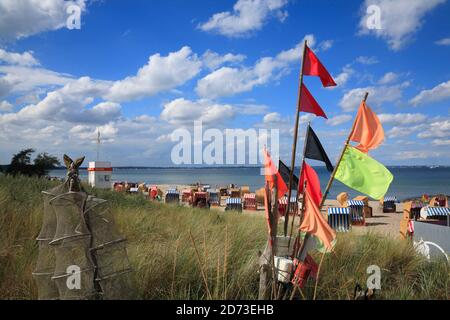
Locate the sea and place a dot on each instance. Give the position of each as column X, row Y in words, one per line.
column 408, row 181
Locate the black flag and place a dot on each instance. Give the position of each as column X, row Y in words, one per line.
column 314, row 149
column 285, row 172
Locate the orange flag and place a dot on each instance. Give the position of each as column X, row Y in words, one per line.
column 314, row 223
column 270, row 171
column 368, row 130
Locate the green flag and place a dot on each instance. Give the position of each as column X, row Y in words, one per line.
column 360, row 172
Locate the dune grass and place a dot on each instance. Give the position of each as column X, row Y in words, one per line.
column 185, row 253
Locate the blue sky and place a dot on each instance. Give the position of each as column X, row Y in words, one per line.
column 139, row 70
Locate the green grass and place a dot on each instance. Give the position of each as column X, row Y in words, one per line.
column 166, row 265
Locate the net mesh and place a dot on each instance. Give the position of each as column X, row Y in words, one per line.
column 81, row 253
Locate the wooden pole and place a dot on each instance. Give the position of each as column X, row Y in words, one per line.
column 294, row 143
column 299, row 176
column 330, row 182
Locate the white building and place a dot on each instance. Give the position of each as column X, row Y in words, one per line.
column 100, row 174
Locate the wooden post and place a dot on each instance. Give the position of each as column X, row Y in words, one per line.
column 299, row 176
column 330, row 182
column 294, row 144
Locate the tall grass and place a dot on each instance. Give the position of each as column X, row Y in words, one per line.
column 185, row 253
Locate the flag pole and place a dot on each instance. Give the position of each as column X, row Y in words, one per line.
column 294, row 144
column 299, row 176
column 330, row 182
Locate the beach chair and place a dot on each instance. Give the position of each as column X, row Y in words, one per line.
column 223, row 194
column 153, row 193
column 436, row 213
column 172, row 196
column 342, row 198
column 234, row 204
column 250, row 201
column 356, row 212
column 186, row 195
column 282, row 206
column 200, row 199
column 214, row 199
column 389, row 204
column 367, row 210
column 206, row 187
column 339, row 219
column 235, row 193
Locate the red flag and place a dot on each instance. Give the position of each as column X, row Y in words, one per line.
column 270, row 172
column 309, row 104
column 313, row 67
column 312, row 183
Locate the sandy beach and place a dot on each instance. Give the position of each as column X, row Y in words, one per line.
column 387, row 224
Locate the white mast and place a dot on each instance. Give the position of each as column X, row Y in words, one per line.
column 98, row 144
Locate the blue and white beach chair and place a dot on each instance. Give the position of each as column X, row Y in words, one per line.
column 172, row 196
column 356, row 212
column 339, row 219
column 234, row 204
column 389, row 204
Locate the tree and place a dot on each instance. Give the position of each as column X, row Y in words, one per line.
column 45, row 162
column 21, row 163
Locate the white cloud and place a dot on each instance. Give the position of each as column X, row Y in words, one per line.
column 377, row 96
column 159, row 74
column 439, row 142
column 213, row 60
column 340, row 119
column 325, row 45
column 247, row 16
column 402, row 118
column 5, row 106
column 180, row 111
column 402, row 131
column 342, row 78
column 438, row 93
column 437, row 129
column 228, row 81
column 407, row 155
column 388, row 77
column 400, row 19
column 272, row 117
column 24, row 79
column 23, row 59
column 20, row 19
column 443, row 42
column 367, row 60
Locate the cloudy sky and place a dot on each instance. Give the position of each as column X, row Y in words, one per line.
column 137, row 72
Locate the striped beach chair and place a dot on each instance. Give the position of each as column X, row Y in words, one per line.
column 250, row 201
column 213, row 197
column 282, row 206
column 172, row 196
column 356, row 212
column 233, row 204
column 438, row 213
column 339, row 219
column 389, row 204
